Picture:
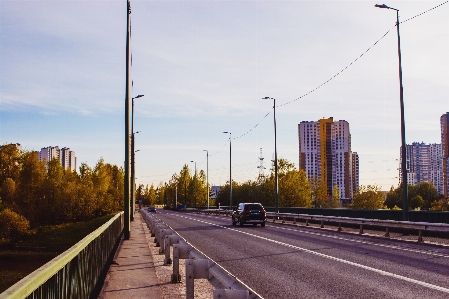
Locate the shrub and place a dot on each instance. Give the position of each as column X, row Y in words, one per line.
column 12, row 225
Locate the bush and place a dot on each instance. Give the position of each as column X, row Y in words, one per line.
column 12, row 225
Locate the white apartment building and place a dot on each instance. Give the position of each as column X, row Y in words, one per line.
column 64, row 155
column 424, row 164
column 325, row 153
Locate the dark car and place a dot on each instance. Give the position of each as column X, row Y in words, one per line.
column 152, row 209
column 249, row 213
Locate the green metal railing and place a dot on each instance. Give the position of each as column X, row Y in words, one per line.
column 78, row 272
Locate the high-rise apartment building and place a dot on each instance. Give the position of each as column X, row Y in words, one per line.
column 68, row 159
column 424, row 164
column 64, row 155
column 444, row 122
column 325, row 153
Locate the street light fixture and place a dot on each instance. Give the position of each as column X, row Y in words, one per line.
column 207, row 176
column 230, row 169
column 194, row 183
column 276, row 185
column 132, row 205
column 401, row 101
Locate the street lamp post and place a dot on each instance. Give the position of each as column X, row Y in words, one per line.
column 230, row 169
column 194, row 184
column 132, row 204
column 276, row 185
column 401, row 99
column 126, row 199
column 207, row 176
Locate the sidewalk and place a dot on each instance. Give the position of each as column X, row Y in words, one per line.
column 139, row 271
column 133, row 273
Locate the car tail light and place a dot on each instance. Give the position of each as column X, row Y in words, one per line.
column 264, row 212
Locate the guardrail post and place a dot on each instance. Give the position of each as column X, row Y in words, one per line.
column 322, row 223
column 170, row 240
column 162, row 234
column 294, row 220
column 307, row 222
column 283, row 220
column 274, row 219
column 230, row 294
column 361, row 229
column 195, row 269
column 387, row 232
column 179, row 252
column 420, row 239
column 339, row 227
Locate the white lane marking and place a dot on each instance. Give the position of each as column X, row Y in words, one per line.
column 364, row 242
column 382, row 272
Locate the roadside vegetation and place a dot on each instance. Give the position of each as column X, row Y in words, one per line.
column 295, row 190
column 45, row 209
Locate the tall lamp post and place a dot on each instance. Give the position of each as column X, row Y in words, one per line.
column 207, row 176
column 132, row 204
column 401, row 100
column 194, row 183
column 276, row 185
column 127, row 193
column 230, row 169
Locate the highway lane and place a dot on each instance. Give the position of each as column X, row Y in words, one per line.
column 297, row 262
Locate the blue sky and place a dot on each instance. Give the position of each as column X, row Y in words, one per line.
column 204, row 67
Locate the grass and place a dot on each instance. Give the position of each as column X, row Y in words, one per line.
column 41, row 246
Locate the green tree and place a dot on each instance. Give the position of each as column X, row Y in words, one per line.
column 416, row 202
column 31, row 192
column 368, row 197
column 12, row 225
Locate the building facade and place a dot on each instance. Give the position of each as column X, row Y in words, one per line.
column 444, row 122
column 424, row 164
column 325, row 153
column 64, row 155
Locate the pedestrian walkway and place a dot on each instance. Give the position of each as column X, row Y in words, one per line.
column 133, row 273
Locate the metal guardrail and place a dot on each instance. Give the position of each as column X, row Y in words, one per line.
column 419, row 227
column 76, row 273
column 198, row 265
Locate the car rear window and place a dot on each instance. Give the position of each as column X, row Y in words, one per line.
column 253, row 207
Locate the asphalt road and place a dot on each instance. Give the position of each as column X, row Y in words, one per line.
column 296, row 262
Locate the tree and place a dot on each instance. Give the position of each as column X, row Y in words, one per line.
column 12, row 225
column 393, row 198
column 294, row 189
column 368, row 197
column 416, row 202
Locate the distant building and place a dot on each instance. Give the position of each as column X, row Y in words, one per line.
column 64, row 155
column 68, row 159
column 424, row 164
column 444, row 122
column 325, row 153
column 214, row 191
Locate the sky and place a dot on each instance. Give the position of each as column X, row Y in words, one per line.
column 204, row 67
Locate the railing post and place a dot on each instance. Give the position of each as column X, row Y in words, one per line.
column 179, row 252
column 420, row 239
column 361, row 229
column 322, row 223
column 387, row 232
column 339, row 227
column 195, row 269
column 170, row 240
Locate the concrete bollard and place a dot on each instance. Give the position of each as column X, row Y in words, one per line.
column 170, row 240
column 195, row 269
column 230, row 294
column 179, row 252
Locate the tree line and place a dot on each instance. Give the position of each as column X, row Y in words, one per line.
column 40, row 193
column 294, row 190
